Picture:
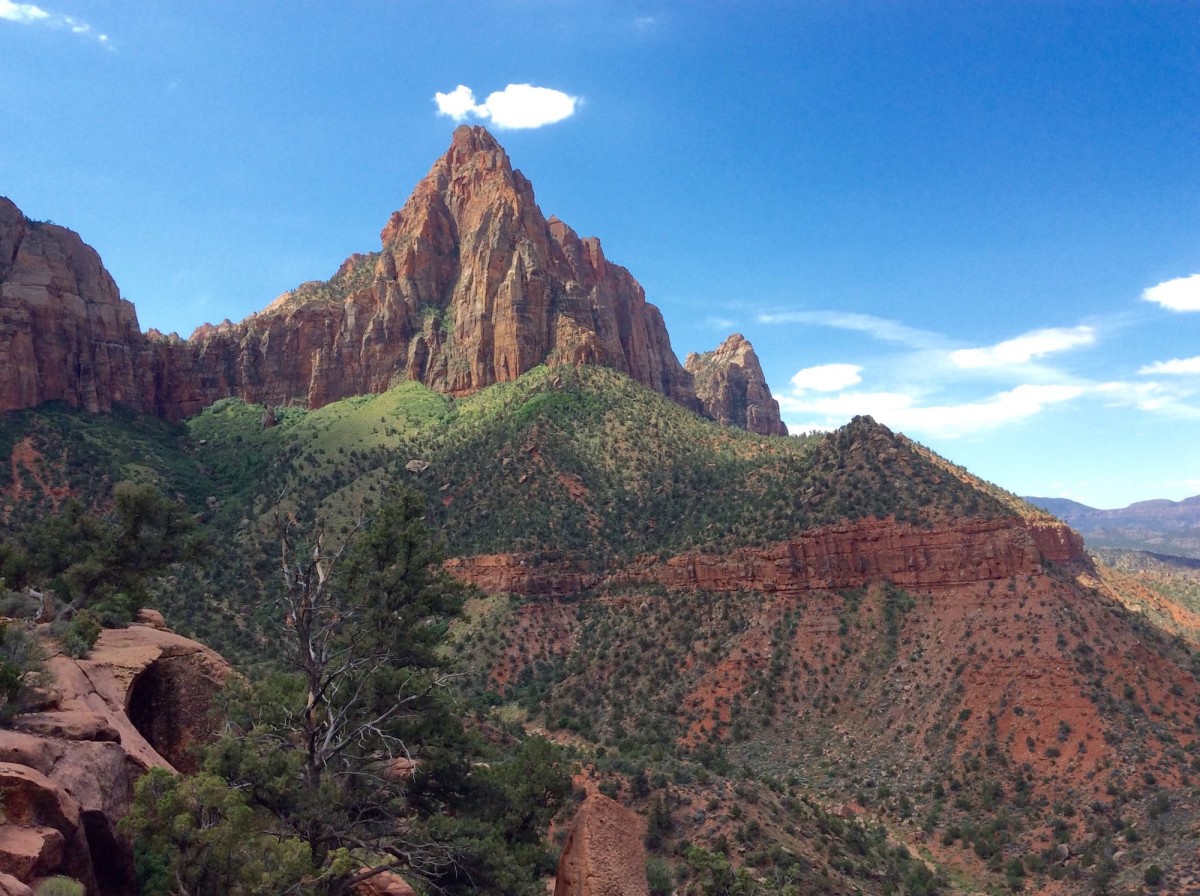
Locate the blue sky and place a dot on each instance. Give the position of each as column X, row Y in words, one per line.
column 974, row 221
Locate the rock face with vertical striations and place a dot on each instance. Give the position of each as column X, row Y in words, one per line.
column 472, row 286
column 732, row 390
column 65, row 332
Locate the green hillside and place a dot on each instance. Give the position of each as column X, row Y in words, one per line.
column 769, row 711
column 574, row 461
column 580, row 464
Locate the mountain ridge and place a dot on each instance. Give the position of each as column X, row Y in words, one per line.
column 472, row 286
column 1158, row 526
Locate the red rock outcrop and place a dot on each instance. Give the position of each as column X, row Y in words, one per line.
column 65, row 332
column 521, row 574
column 604, row 853
column 472, row 286
column 732, row 390
column 67, row 772
column 866, row 551
column 849, row 555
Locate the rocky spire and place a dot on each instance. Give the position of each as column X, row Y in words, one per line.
column 731, row 388
column 472, row 286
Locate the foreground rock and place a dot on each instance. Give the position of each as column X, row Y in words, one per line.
column 604, row 853
column 67, row 772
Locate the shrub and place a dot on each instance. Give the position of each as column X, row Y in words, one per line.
column 658, row 876
column 80, row 634
column 20, row 659
column 60, row 886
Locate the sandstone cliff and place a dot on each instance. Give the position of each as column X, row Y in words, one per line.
column 67, row 771
column 731, row 388
column 472, row 286
column 849, row 555
column 65, row 332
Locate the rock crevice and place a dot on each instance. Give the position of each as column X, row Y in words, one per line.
column 67, row 772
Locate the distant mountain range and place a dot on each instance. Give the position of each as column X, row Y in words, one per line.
column 1160, row 526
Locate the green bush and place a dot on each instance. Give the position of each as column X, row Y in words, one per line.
column 21, row 658
column 658, row 876
column 60, row 886
column 80, row 634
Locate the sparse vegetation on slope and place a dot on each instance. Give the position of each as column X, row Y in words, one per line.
column 1022, row 729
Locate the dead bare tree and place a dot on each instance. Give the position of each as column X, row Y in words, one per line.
column 357, row 616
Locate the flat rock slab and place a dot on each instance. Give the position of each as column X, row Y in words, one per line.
column 76, row 724
column 27, row 853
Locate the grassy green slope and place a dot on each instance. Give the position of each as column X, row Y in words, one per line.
column 55, row 449
column 579, row 462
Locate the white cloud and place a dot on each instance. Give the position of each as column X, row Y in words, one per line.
column 903, row 411
column 879, row 327
column 515, row 107
column 1024, row 348
column 827, row 378
column 22, row 12
column 1180, row 294
column 29, row 14
column 1174, row 367
column 458, row 103
column 720, row 323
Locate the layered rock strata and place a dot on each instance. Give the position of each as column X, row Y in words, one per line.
column 849, row 555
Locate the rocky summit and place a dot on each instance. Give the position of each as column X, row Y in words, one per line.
column 731, row 387
column 472, row 286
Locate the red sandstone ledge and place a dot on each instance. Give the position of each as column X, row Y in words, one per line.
column 848, row 555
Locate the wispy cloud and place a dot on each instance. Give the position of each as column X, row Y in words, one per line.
column 1169, row 399
column 515, row 107
column 1174, row 367
column 1025, row 348
column 720, row 323
column 1180, row 294
column 29, row 14
column 879, row 327
column 907, row 412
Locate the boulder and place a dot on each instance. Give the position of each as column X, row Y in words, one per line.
column 29, row 853
column 604, row 854
column 29, row 799
column 67, row 776
column 385, row 883
column 11, row 886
